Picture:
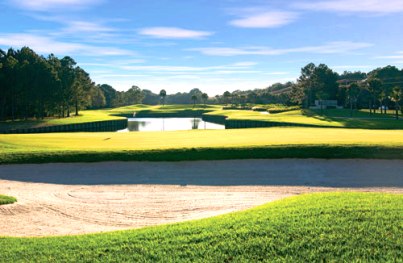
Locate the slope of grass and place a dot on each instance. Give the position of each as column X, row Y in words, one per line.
column 4, row 200
column 166, row 110
column 331, row 227
column 112, row 114
column 202, row 145
column 329, row 118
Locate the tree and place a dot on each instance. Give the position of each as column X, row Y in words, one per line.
column 396, row 96
column 163, row 94
column 67, row 77
column 381, row 98
column 133, row 96
column 98, row 99
column 32, row 86
column 353, row 92
column 194, row 99
column 81, row 89
column 315, row 82
column 109, row 94
column 204, row 97
column 374, row 88
column 305, row 82
column 227, row 96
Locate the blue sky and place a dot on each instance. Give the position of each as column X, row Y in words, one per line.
column 211, row 45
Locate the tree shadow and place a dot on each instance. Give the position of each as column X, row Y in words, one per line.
column 283, row 172
column 363, row 121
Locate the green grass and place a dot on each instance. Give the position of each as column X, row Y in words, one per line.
column 84, row 116
column 113, row 114
column 286, row 142
column 4, row 200
column 329, row 118
column 330, row 227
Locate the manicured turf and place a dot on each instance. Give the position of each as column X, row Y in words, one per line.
column 111, row 114
column 327, row 118
column 331, row 227
column 284, row 142
column 4, row 200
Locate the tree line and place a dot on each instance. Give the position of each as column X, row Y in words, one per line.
column 380, row 88
column 34, row 86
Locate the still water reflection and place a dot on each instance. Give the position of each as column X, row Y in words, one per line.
column 169, row 124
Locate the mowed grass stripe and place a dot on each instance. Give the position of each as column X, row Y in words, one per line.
column 203, row 145
column 335, row 227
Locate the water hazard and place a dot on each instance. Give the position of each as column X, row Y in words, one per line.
column 169, row 124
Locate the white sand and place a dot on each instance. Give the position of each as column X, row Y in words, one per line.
column 63, row 199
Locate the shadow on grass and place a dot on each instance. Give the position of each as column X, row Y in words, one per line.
column 361, row 120
column 286, row 172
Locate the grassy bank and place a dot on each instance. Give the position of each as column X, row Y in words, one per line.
column 112, row 114
column 202, row 145
column 4, row 200
column 327, row 118
column 339, row 227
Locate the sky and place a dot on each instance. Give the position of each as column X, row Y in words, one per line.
column 213, row 45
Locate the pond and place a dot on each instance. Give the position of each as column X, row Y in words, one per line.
column 169, row 124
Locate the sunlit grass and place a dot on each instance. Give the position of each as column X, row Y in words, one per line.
column 203, row 144
column 330, row 227
column 327, row 118
column 4, row 200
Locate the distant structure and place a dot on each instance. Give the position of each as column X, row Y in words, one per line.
column 325, row 104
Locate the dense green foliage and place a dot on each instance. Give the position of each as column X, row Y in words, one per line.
column 334, row 227
column 32, row 86
column 4, row 200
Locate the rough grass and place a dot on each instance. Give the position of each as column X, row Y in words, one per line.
column 202, row 145
column 330, row 227
column 4, row 200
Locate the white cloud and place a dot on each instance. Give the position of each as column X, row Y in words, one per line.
column 173, row 32
column 46, row 45
column 338, row 47
column 163, row 68
column 396, row 58
column 398, row 55
column 348, row 6
column 277, row 73
column 48, row 5
column 245, row 64
column 265, row 19
column 86, row 27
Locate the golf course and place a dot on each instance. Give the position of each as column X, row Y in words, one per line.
column 315, row 179
column 201, row 131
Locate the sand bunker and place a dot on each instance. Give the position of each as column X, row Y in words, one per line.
column 63, row 199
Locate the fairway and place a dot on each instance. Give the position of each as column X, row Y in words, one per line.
column 202, row 144
column 332, row 118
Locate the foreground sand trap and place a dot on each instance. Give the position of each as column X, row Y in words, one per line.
column 62, row 199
